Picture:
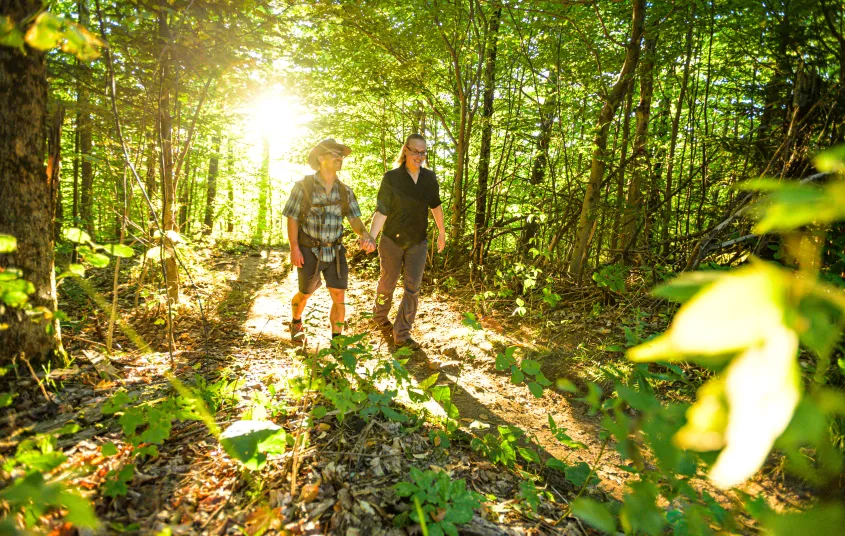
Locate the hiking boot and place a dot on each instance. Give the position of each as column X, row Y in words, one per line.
column 409, row 343
column 297, row 331
column 387, row 325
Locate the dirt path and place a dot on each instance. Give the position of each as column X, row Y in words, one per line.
column 348, row 468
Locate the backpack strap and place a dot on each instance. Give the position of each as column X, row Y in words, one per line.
column 307, row 197
column 308, row 183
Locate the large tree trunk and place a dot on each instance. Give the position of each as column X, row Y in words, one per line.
column 486, row 137
column 211, row 191
column 168, row 182
column 639, row 156
column 587, row 218
column 25, row 196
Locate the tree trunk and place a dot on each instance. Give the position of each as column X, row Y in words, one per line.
column 548, row 111
column 230, row 224
column 673, row 139
column 211, row 191
column 639, row 155
column 623, row 163
column 25, row 196
column 168, row 184
column 263, row 186
column 54, row 167
column 588, row 213
column 486, row 136
column 83, row 121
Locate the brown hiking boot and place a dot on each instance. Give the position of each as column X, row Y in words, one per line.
column 387, row 325
column 409, row 343
column 297, row 331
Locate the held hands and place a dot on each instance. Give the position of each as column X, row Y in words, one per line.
column 367, row 243
column 296, row 257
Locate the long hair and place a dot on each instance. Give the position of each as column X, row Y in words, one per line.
column 400, row 160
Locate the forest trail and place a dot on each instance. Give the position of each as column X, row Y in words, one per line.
column 463, row 357
column 346, row 471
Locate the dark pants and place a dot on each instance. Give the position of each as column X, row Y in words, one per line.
column 410, row 262
column 313, row 268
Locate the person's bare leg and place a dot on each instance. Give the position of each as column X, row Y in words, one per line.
column 297, row 305
column 337, row 316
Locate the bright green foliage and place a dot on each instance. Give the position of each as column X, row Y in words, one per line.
column 594, row 514
column 153, row 420
column 34, row 497
column 31, row 494
column 528, row 368
column 250, row 442
column 611, row 277
column 445, row 502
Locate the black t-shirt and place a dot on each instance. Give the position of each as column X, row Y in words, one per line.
column 406, row 204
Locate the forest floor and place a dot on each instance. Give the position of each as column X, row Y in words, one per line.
column 341, row 481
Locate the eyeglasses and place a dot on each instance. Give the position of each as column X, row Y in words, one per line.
column 416, row 153
column 334, row 154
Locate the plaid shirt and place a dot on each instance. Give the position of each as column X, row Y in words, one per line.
column 323, row 223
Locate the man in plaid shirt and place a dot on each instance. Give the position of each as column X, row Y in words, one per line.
column 315, row 232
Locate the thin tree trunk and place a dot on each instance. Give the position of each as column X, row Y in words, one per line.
column 211, row 191
column 83, row 119
column 639, row 155
column 230, row 224
column 586, row 221
column 673, row 140
column 168, row 183
column 263, row 186
column 486, row 136
column 623, row 162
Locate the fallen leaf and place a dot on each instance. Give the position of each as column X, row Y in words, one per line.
column 439, row 515
column 309, row 492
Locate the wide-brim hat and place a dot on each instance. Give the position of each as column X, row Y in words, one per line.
column 328, row 145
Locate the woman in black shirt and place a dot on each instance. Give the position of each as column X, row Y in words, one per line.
column 405, row 197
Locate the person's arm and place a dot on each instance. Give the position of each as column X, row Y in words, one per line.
column 437, row 212
column 367, row 242
column 377, row 224
column 296, row 257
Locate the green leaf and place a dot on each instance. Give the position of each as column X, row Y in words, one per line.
column 557, row 465
column 80, row 512
column 97, row 260
column 536, row 389
column 405, row 489
column 831, row 160
column 15, row 298
column 739, row 310
column 542, row 380
column 565, row 384
column 428, row 382
column 119, row 250
column 108, row 449
column 822, row 519
column 319, row 412
column 76, row 235
column 241, row 439
column 8, row 243
column 529, row 366
column 45, row 33
column 594, row 514
column 762, row 387
column 684, row 287
column 6, row 399
column 76, row 269
column 577, row 474
column 517, row 376
column 529, row 455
